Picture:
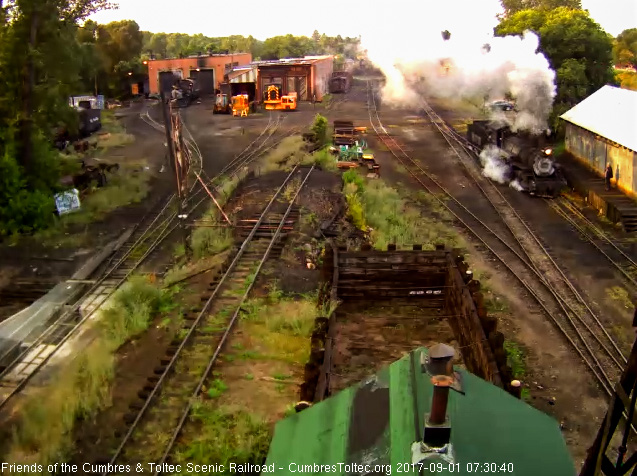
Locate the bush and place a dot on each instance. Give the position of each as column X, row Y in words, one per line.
column 320, row 129
column 22, row 209
column 352, row 176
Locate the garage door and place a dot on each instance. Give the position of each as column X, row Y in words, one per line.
column 166, row 81
column 298, row 84
column 205, row 80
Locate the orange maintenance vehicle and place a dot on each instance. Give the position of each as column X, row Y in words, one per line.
column 273, row 99
column 240, row 105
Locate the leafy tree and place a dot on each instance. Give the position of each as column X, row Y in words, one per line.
column 119, row 41
column 40, row 62
column 625, row 48
column 577, row 48
column 514, row 6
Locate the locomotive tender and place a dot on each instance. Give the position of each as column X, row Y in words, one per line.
column 531, row 163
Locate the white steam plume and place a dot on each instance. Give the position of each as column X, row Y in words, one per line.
column 515, row 185
column 415, row 65
column 493, row 166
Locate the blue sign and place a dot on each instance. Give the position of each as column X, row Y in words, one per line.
column 100, row 102
column 66, row 202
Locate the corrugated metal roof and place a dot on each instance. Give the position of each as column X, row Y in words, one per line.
column 299, row 61
column 378, row 422
column 609, row 112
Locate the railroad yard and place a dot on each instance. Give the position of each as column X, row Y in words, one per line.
column 229, row 313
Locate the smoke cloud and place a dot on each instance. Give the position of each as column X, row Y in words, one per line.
column 471, row 65
column 493, row 166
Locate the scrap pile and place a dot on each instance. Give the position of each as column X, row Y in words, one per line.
column 350, row 148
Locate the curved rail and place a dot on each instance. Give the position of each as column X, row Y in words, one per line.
column 586, row 353
column 581, row 223
column 523, row 233
column 196, row 323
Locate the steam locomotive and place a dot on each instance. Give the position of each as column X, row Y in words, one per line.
column 531, row 164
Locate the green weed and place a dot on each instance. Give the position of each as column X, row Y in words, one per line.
column 224, row 435
column 131, row 310
column 280, row 376
column 322, row 159
column 208, row 241
column 217, row 388
column 291, row 188
column 621, row 296
column 284, row 156
column 374, row 205
column 515, row 358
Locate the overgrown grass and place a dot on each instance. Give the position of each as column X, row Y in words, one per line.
column 225, row 435
column 114, row 139
column 322, row 159
column 125, row 187
column 131, row 310
column 284, row 156
column 81, row 388
column 291, row 188
column 215, row 238
column 373, row 206
column 283, row 323
column 209, row 241
column 113, row 134
column 178, row 273
column 621, row 296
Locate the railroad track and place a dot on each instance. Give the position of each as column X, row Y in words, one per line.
column 519, row 249
column 598, row 238
column 20, row 362
column 167, row 399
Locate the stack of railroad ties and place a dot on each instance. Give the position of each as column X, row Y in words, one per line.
column 348, row 146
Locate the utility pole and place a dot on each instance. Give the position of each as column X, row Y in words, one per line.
column 179, row 164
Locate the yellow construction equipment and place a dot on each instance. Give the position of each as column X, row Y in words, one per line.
column 273, row 99
column 240, row 105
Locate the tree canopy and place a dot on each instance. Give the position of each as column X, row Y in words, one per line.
column 625, row 48
column 172, row 45
column 513, row 6
column 577, row 48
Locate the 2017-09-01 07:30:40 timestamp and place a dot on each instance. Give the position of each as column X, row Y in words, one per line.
column 437, row 467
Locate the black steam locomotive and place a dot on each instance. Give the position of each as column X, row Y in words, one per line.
column 531, row 164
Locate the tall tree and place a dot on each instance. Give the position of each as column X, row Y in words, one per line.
column 625, row 48
column 513, row 6
column 39, row 65
column 578, row 49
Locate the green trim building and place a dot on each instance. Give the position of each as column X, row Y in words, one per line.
column 378, row 427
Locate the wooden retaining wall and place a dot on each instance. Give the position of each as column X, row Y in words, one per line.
column 440, row 277
column 470, row 322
